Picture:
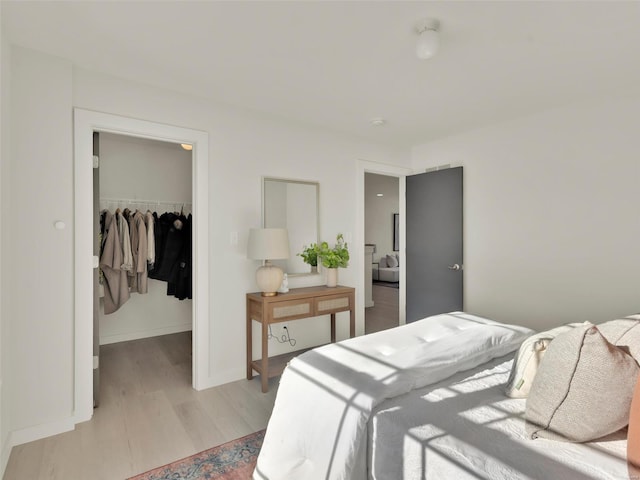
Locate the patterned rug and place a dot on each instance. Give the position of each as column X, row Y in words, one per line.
column 234, row 460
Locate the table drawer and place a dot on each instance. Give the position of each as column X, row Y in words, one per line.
column 332, row 304
column 291, row 310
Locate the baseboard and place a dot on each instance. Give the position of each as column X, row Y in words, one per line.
column 25, row 435
column 221, row 378
column 6, row 452
column 154, row 332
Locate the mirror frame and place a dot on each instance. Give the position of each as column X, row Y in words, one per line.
column 302, row 182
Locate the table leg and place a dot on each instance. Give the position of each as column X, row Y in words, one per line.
column 249, row 344
column 352, row 323
column 264, row 376
column 333, row 328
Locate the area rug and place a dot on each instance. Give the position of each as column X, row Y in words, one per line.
column 234, row 460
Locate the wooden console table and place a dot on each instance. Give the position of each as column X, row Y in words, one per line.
column 296, row 304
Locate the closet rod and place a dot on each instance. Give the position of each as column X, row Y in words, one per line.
column 113, row 203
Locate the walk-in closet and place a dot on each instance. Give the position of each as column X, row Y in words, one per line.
column 143, row 293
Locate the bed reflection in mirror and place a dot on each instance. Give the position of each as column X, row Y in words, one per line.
column 292, row 204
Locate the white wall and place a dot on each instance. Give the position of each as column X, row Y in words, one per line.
column 244, row 146
column 551, row 215
column 135, row 168
column 39, row 296
column 379, row 212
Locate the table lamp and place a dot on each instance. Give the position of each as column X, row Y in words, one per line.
column 268, row 244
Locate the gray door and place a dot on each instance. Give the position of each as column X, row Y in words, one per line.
column 434, row 243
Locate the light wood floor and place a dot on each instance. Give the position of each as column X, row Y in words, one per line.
column 384, row 313
column 149, row 415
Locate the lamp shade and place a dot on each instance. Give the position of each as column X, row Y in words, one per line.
column 268, row 244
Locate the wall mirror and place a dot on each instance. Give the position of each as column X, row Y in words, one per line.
column 292, row 204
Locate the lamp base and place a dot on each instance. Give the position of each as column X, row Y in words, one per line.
column 269, row 278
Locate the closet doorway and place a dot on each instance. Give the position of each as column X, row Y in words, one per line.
column 86, row 123
column 143, row 189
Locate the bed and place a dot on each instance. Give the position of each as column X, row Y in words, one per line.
column 421, row 401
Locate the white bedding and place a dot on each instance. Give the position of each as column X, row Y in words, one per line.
column 318, row 427
column 465, row 427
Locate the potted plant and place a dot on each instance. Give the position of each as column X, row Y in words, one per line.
column 334, row 258
column 310, row 255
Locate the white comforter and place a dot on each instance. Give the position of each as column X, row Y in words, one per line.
column 318, row 427
column 466, row 428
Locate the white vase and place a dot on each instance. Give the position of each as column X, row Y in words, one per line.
column 332, row 277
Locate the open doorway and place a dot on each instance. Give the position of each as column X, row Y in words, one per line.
column 85, row 124
column 143, row 215
column 382, row 251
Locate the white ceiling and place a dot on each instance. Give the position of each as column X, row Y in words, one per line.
column 337, row 64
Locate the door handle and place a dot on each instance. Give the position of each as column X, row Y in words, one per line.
column 455, row 266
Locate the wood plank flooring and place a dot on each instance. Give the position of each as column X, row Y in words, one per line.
column 384, row 313
column 149, row 415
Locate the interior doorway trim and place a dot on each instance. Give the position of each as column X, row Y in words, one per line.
column 85, row 123
column 364, row 167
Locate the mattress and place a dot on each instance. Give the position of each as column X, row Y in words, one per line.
column 465, row 427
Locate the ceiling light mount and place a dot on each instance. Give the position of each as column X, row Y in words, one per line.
column 377, row 122
column 428, row 38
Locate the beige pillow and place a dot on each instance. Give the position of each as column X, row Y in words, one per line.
column 624, row 333
column 528, row 358
column 392, row 261
column 583, row 388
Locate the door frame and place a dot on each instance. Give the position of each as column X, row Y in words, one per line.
column 85, row 123
column 365, row 166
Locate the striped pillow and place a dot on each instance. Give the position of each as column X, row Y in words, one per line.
column 583, row 388
column 528, row 358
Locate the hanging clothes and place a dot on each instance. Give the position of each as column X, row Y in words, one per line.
column 180, row 283
column 160, row 229
column 136, row 246
column 125, row 242
column 138, row 277
column 116, row 288
column 151, row 244
column 171, row 227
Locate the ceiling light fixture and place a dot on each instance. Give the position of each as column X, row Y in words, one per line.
column 428, row 38
column 377, row 121
column 379, row 194
column 186, row 146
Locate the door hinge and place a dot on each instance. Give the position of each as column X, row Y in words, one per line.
column 96, row 161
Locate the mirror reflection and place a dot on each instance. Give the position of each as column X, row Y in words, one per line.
column 293, row 205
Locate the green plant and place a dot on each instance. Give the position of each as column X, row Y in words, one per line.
column 335, row 257
column 310, row 255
